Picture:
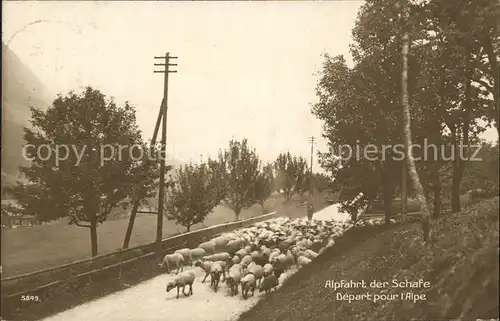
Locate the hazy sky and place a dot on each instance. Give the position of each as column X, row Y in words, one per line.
column 246, row 69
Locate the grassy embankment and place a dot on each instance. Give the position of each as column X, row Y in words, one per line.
column 461, row 266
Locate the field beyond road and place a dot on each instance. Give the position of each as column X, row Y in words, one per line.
column 461, row 266
column 40, row 247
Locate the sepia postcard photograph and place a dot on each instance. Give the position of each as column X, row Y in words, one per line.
column 250, row 160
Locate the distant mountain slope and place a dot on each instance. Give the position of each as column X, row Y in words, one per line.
column 20, row 88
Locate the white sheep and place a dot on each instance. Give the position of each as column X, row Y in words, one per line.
column 221, row 242
column 257, row 271
column 290, row 259
column 186, row 253
column 302, row 261
column 235, row 260
column 248, row 283
column 216, row 270
column 205, row 266
column 311, row 254
column 234, row 245
column 197, row 254
column 180, row 281
column 209, row 247
column 282, row 259
column 224, row 256
column 233, row 278
column 268, row 269
column 173, row 260
column 247, row 259
column 266, row 251
column 241, row 253
column 273, row 257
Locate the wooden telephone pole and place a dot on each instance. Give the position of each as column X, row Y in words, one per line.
column 161, row 119
column 311, row 140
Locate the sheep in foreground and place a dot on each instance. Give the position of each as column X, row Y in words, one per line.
column 234, row 278
column 234, row 245
column 270, row 282
column 235, row 260
column 224, row 256
column 274, row 255
column 245, row 261
column 241, row 253
column 282, row 260
column 268, row 269
column 221, row 242
column 278, row 269
column 186, row 253
column 173, row 260
column 311, row 254
column 290, row 259
column 247, row 284
column 215, row 272
column 257, row 271
column 197, row 254
column 302, row 261
column 208, row 247
column 180, row 281
column 205, row 266
column 258, row 258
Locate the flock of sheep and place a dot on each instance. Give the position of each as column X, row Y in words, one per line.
column 254, row 257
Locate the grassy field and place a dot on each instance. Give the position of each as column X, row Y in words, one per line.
column 30, row 249
column 461, row 266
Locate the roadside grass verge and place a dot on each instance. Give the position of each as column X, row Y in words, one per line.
column 461, row 266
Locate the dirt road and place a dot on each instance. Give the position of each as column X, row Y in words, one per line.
column 149, row 301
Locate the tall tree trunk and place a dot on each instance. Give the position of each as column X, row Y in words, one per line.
column 436, row 186
column 93, row 236
column 495, row 69
column 237, row 214
column 388, row 196
column 459, row 162
column 404, row 190
column 417, row 185
column 188, row 228
column 437, row 195
column 455, row 189
column 263, row 208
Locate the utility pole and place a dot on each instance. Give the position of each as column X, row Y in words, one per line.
column 311, row 141
column 163, row 149
column 161, row 119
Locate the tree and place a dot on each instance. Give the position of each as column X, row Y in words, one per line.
column 301, row 176
column 449, row 73
column 264, row 185
column 285, row 172
column 482, row 171
column 292, row 175
column 321, row 182
column 192, row 194
column 76, row 170
column 425, row 215
column 241, row 166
